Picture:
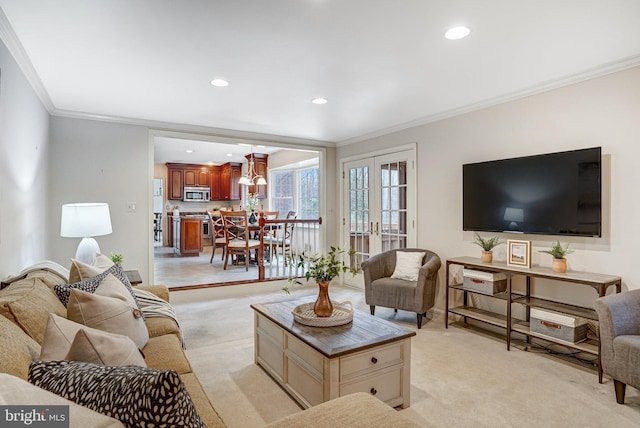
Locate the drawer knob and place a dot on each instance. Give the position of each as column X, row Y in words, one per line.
column 374, row 360
column 373, row 391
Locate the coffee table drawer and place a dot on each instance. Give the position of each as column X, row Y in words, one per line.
column 369, row 361
column 386, row 385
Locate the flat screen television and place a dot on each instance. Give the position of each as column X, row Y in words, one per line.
column 550, row 194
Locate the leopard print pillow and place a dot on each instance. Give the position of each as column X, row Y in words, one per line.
column 136, row 396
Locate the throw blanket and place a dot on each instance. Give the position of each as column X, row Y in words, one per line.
column 154, row 306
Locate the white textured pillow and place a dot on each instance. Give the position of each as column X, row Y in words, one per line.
column 408, row 264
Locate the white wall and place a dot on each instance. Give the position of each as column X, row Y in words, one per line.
column 24, row 146
column 93, row 161
column 600, row 112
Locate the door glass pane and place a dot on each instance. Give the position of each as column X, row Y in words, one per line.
column 359, row 214
column 393, row 197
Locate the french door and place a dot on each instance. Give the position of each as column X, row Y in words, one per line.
column 379, row 204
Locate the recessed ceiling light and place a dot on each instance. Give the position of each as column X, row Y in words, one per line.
column 189, row 151
column 456, row 33
column 219, row 83
column 229, row 154
column 260, row 146
column 319, row 100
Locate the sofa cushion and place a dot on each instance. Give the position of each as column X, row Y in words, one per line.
column 159, row 326
column 28, row 303
column 408, row 264
column 165, row 353
column 355, row 410
column 113, row 275
column 137, row 396
column 68, row 340
column 17, row 349
column 17, row 391
column 113, row 312
column 80, row 271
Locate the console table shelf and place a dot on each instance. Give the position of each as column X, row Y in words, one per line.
column 599, row 282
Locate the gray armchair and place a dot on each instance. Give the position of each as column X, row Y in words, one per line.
column 619, row 317
column 415, row 296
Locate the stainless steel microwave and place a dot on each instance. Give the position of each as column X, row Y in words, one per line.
column 196, row 194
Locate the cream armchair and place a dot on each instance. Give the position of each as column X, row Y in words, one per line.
column 415, row 296
column 619, row 317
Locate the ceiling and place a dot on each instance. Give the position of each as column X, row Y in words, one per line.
column 382, row 64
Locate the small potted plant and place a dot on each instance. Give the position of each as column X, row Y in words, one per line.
column 487, row 246
column 558, row 252
column 323, row 268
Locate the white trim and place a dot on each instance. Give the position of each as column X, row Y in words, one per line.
column 592, row 73
column 16, row 50
column 409, row 146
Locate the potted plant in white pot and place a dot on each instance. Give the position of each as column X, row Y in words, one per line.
column 558, row 252
column 323, row 268
column 487, row 246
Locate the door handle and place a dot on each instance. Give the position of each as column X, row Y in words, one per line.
column 377, row 229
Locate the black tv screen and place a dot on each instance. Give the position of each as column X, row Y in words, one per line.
column 550, row 194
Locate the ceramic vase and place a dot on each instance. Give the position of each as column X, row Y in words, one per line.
column 559, row 265
column 323, row 307
column 487, row 256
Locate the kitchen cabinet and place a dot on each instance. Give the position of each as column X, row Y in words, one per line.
column 260, row 167
column 187, row 236
column 175, row 184
column 230, row 181
column 214, row 180
column 196, row 176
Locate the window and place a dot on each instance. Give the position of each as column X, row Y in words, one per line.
column 295, row 190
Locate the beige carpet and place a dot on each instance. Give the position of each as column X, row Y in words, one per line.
column 460, row 376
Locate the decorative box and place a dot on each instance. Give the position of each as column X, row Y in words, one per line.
column 484, row 282
column 558, row 326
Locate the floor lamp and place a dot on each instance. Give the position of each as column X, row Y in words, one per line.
column 85, row 220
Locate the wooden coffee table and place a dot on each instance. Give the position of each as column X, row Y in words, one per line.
column 317, row 364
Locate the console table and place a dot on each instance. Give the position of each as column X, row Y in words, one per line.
column 599, row 282
column 317, row 364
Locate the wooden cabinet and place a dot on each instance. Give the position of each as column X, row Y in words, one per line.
column 197, row 176
column 214, row 180
column 260, row 167
column 188, row 238
column 230, row 181
column 175, row 184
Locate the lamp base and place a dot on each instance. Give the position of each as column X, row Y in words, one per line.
column 87, row 250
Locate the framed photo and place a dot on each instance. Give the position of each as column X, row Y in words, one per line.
column 519, row 253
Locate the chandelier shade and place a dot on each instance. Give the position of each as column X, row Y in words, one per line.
column 252, row 177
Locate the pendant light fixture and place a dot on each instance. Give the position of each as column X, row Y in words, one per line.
column 251, row 177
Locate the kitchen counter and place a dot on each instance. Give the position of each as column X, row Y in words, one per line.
column 187, row 235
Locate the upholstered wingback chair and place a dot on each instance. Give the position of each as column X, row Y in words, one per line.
column 619, row 317
column 382, row 290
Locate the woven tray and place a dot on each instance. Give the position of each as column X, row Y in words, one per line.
column 342, row 314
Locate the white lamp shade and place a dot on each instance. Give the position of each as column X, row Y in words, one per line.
column 85, row 220
column 261, row 181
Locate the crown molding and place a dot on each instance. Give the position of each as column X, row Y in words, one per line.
column 176, row 129
column 549, row 85
column 16, row 50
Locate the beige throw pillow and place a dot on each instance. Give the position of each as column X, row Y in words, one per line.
column 112, row 310
column 107, row 349
column 408, row 264
column 68, row 340
column 80, row 271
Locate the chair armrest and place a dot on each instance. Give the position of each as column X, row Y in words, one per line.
column 618, row 314
column 374, row 267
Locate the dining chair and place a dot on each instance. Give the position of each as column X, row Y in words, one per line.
column 237, row 234
column 217, row 231
column 281, row 238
